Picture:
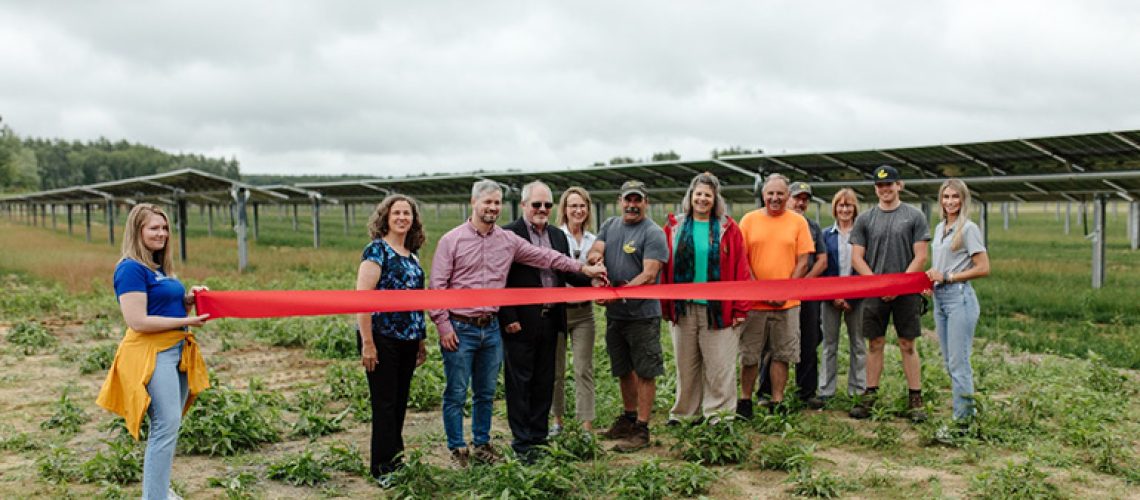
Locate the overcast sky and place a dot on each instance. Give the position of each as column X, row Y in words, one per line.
column 396, row 88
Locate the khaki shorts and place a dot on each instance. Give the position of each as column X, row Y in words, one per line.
column 777, row 332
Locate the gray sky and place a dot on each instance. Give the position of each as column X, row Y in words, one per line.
column 396, row 88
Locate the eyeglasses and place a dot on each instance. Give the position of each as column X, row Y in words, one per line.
column 541, row 204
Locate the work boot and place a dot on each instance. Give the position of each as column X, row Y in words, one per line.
column 486, row 454
column 862, row 409
column 744, row 409
column 460, row 458
column 637, row 440
column 622, row 428
column 915, row 409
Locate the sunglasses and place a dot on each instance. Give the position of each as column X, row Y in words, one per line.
column 541, row 204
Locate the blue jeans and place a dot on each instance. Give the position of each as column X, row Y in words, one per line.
column 168, row 390
column 955, row 317
column 476, row 363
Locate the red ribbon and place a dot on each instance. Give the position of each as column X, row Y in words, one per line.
column 279, row 303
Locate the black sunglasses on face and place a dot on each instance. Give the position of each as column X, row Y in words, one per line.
column 541, row 204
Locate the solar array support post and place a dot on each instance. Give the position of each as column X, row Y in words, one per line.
column 1058, row 207
column 464, row 208
column 240, row 196
column 70, row 221
column 347, row 214
column 180, row 203
column 985, row 219
column 437, row 211
column 1081, row 215
column 52, row 209
column 87, row 219
column 256, row 221
column 599, row 214
column 1005, row 216
column 1098, row 237
column 1134, row 224
column 316, row 222
column 210, row 219
column 110, row 222
column 1016, row 209
column 294, row 217
column 818, row 209
column 1068, row 216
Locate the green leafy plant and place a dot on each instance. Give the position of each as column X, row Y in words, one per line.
column 652, row 479
column 1014, row 480
column 312, row 425
column 574, row 444
column 886, row 436
column 58, row 465
column 98, row 328
column 333, row 340
column 68, row 416
column 236, row 485
column 785, row 455
column 224, row 421
column 344, row 457
column 716, row 443
column 31, row 337
column 97, row 359
column 301, row 469
column 416, row 479
column 807, row 482
column 121, row 464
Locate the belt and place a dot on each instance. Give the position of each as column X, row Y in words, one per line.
column 479, row 321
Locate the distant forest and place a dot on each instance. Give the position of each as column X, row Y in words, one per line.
column 36, row 164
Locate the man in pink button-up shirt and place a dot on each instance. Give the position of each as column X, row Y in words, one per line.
column 478, row 254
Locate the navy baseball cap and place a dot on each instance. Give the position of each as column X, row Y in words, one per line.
column 886, row 173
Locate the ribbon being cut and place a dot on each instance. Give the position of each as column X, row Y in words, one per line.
column 281, row 303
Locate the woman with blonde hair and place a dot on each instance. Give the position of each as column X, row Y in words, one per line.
column 837, row 239
column 158, row 369
column 959, row 257
column 575, row 213
column 391, row 344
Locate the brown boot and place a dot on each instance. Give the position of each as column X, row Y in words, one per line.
column 637, row 440
column 622, row 428
column 460, row 457
column 915, row 409
column 486, row 454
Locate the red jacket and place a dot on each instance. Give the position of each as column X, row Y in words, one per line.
column 733, row 267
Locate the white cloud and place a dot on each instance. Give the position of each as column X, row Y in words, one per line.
column 397, row 87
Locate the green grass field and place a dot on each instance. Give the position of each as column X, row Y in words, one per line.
column 291, row 401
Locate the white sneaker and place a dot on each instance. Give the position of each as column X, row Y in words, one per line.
column 171, row 495
column 555, row 430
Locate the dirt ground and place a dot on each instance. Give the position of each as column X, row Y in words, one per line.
column 30, row 386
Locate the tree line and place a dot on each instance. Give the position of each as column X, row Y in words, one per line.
column 37, row 164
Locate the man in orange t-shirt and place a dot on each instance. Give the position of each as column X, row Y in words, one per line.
column 778, row 243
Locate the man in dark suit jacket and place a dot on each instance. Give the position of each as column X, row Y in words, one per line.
column 530, row 333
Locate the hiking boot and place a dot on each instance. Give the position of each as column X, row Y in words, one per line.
column 915, row 409
column 816, row 403
column 744, row 409
column 637, row 440
column 460, row 458
column 622, row 428
column 862, row 409
column 486, row 454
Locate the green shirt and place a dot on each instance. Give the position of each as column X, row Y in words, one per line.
column 700, row 253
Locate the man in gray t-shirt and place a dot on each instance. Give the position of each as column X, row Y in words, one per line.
column 634, row 250
column 890, row 238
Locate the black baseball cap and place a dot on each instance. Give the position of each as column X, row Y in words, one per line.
column 885, row 173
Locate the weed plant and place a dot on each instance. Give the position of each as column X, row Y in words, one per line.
column 236, row 485
column 1014, row 480
column 302, row 469
column 31, row 337
column 344, row 457
column 712, row 443
column 224, row 421
column 653, row 480
column 312, row 424
column 886, row 436
column 807, row 482
column 574, row 444
column 97, row 359
column 58, row 464
column 121, row 464
column 784, row 455
column 68, row 416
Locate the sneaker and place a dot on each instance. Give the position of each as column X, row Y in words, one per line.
column 622, row 428
column 915, row 409
column 638, row 439
column 486, row 454
column 386, row 481
column 460, row 457
column 673, row 423
column 862, row 409
column 555, row 430
column 744, row 409
column 816, row 403
column 171, row 495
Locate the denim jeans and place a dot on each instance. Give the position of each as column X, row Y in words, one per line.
column 955, row 317
column 168, row 390
column 474, row 363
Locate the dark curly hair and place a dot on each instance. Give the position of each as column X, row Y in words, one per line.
column 378, row 222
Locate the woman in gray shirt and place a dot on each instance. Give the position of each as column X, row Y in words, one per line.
column 959, row 256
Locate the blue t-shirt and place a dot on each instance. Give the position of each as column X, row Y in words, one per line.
column 163, row 293
column 397, row 272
